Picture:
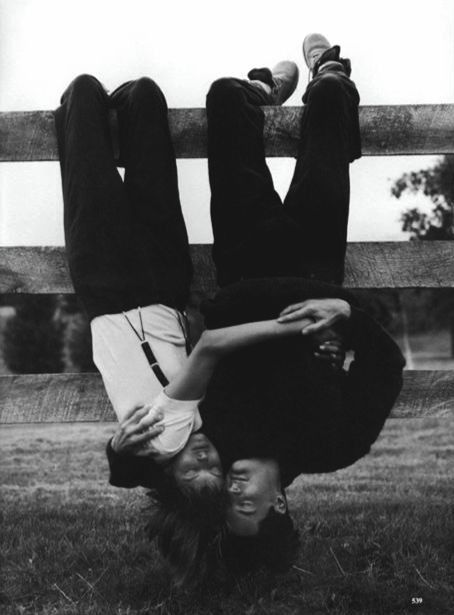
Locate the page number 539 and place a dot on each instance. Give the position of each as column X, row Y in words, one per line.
column 416, row 600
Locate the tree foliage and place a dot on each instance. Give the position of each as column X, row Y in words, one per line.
column 47, row 334
column 437, row 183
column 33, row 341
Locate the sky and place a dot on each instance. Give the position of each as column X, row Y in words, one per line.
column 402, row 52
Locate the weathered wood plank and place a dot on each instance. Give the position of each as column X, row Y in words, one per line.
column 386, row 130
column 425, row 393
column 53, row 398
column 44, row 270
column 410, row 264
column 81, row 397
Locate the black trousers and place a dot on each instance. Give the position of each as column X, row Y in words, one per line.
column 255, row 234
column 126, row 241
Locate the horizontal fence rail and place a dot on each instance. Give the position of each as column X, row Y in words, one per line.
column 81, row 397
column 405, row 264
column 386, row 130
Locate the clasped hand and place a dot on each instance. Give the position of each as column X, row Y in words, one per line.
column 324, row 313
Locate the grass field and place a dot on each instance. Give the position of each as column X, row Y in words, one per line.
column 375, row 537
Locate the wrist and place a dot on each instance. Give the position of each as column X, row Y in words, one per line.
column 292, row 327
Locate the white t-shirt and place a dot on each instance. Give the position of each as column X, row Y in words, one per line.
column 129, row 379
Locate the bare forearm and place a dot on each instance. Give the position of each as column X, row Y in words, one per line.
column 191, row 382
column 228, row 339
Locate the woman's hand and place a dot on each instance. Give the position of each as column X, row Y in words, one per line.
column 133, row 433
column 323, row 312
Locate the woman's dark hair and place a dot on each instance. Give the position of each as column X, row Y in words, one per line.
column 187, row 526
column 274, row 547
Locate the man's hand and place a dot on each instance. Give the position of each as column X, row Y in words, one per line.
column 323, row 312
column 329, row 346
column 136, row 430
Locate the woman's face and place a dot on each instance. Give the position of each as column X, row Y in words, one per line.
column 198, row 464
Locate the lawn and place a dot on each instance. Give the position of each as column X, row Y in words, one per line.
column 376, row 538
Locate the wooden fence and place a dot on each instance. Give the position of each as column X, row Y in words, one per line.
column 386, row 130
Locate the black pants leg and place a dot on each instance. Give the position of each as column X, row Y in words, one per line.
column 319, row 194
column 254, row 235
column 115, row 234
column 151, row 186
column 245, row 208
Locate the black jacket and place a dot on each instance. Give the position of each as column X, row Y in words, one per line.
column 277, row 400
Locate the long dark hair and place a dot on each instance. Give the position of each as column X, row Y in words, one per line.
column 187, row 526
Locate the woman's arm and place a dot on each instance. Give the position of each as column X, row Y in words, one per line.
column 191, row 382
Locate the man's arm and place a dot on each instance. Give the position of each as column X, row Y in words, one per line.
column 375, row 375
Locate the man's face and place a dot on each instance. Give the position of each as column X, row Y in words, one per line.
column 198, row 464
column 253, row 488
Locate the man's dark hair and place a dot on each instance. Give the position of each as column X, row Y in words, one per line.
column 187, row 526
column 274, row 547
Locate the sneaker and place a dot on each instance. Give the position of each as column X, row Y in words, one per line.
column 314, row 46
column 280, row 82
column 319, row 55
column 285, row 77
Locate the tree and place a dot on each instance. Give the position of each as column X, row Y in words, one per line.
column 47, row 334
column 33, row 341
column 437, row 183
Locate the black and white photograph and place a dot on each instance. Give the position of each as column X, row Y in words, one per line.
column 226, row 307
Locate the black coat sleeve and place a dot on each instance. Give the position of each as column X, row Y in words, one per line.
column 132, row 471
column 374, row 378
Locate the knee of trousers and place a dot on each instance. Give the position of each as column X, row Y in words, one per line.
column 84, row 87
column 329, row 89
column 145, row 90
column 225, row 92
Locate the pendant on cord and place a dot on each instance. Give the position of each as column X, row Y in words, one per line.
column 147, row 351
